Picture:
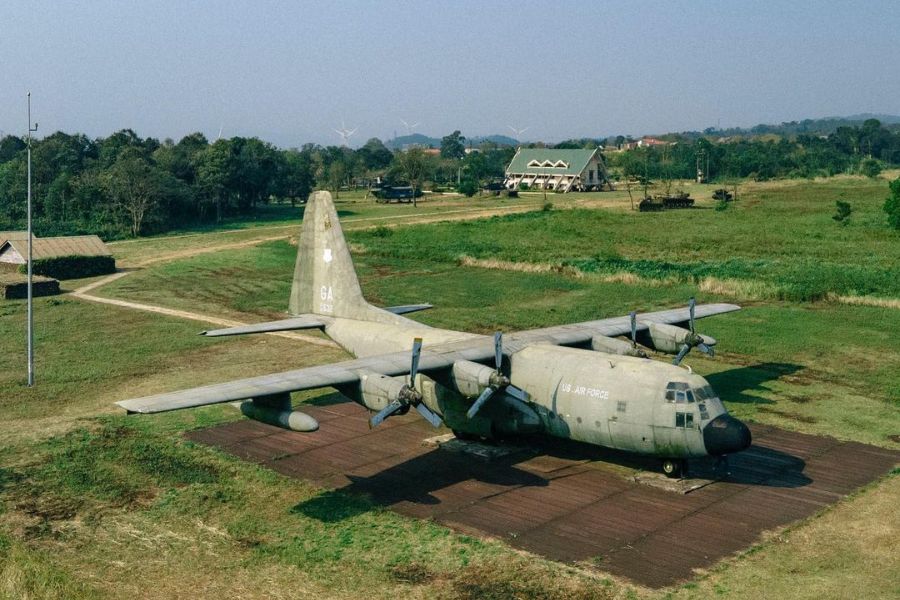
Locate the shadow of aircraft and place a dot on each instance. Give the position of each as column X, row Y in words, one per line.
column 736, row 385
column 421, row 479
column 417, row 479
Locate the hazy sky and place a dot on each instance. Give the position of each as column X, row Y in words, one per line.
column 290, row 72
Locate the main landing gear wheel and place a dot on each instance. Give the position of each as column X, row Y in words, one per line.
column 674, row 468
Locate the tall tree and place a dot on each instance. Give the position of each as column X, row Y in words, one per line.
column 453, row 145
column 213, row 165
column 295, row 179
column 141, row 191
column 413, row 164
column 10, row 145
column 375, row 155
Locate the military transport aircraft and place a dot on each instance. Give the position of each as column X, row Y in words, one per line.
column 574, row 381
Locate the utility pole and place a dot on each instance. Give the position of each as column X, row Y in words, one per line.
column 30, row 273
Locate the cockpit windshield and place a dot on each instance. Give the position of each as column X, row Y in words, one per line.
column 704, row 393
column 678, row 392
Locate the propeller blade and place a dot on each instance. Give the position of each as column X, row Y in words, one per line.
column 691, row 304
column 414, row 367
column 681, row 354
column 379, row 417
column 487, row 393
column 429, row 415
column 498, row 350
column 516, row 393
column 706, row 349
column 633, row 316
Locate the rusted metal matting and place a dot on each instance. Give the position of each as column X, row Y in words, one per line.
column 568, row 502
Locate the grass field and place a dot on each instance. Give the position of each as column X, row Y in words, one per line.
column 95, row 505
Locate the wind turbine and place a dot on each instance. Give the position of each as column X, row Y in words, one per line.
column 409, row 126
column 518, row 132
column 345, row 133
column 219, row 137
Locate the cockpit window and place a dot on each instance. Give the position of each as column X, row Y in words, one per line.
column 678, row 392
column 704, row 393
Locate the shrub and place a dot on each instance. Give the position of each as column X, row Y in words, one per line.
column 467, row 187
column 892, row 204
column 870, row 167
column 843, row 212
column 72, row 267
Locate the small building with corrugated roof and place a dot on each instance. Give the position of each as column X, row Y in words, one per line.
column 13, row 252
column 12, row 235
column 561, row 170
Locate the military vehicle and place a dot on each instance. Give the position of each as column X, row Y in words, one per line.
column 394, row 193
column 722, row 195
column 576, row 381
column 676, row 200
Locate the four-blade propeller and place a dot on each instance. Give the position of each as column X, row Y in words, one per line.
column 694, row 340
column 409, row 395
column 498, row 379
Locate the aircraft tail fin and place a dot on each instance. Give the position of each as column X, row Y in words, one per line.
column 325, row 281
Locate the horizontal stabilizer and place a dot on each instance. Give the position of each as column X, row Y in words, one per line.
column 408, row 308
column 303, row 322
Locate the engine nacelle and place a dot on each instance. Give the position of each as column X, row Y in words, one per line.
column 377, row 390
column 471, row 378
column 670, row 338
column 276, row 410
column 602, row 343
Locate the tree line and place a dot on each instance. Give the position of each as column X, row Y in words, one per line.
column 863, row 149
column 124, row 185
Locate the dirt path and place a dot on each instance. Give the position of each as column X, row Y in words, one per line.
column 82, row 294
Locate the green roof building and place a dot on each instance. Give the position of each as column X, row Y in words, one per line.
column 558, row 170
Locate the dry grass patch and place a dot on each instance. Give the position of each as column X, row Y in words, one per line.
column 520, row 267
column 866, row 301
column 737, row 288
column 851, row 551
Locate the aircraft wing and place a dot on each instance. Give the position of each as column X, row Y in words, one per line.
column 346, row 372
column 434, row 358
column 581, row 333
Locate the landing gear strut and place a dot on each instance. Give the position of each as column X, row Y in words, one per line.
column 674, row 468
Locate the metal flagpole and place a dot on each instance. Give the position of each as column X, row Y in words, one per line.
column 30, row 235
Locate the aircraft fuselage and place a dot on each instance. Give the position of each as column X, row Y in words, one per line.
column 626, row 403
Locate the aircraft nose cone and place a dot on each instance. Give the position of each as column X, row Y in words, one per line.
column 725, row 435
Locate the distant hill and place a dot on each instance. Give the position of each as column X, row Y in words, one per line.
column 415, row 139
column 824, row 126
column 497, row 138
column 424, row 141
